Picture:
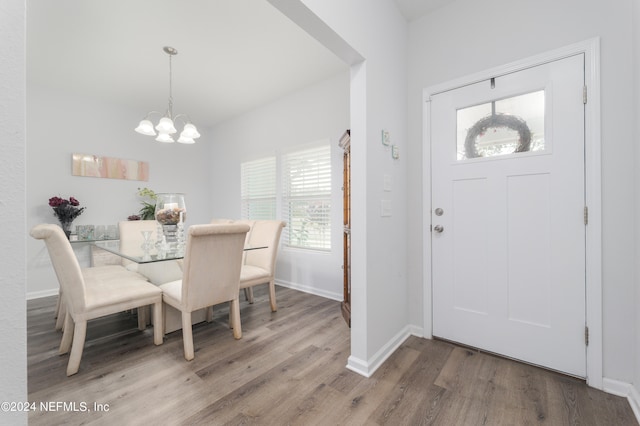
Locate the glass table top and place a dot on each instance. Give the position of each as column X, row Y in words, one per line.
column 139, row 255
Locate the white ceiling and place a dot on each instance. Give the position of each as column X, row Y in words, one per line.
column 414, row 9
column 234, row 55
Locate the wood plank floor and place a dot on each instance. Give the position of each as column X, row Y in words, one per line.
column 289, row 368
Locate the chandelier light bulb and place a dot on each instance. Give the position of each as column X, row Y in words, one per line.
column 185, row 139
column 146, row 128
column 190, row 131
column 166, row 126
column 165, row 138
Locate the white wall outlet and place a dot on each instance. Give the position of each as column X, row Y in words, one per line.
column 386, row 137
column 385, row 208
column 395, row 152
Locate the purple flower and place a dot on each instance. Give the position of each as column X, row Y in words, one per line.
column 65, row 210
column 57, row 201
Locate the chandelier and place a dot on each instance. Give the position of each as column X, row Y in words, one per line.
column 165, row 127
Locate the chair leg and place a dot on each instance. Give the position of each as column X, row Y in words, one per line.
column 142, row 317
column 58, row 302
column 79, row 334
column 209, row 314
column 158, row 326
column 67, row 334
column 61, row 314
column 248, row 294
column 272, row 296
column 234, row 310
column 187, row 336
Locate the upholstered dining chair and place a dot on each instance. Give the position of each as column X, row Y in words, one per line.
column 259, row 266
column 93, row 294
column 211, row 275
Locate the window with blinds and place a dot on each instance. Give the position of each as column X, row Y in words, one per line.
column 306, row 197
column 258, row 189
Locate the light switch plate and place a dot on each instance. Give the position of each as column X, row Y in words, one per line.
column 386, row 137
column 386, row 184
column 395, row 152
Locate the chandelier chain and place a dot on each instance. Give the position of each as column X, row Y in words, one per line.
column 170, row 89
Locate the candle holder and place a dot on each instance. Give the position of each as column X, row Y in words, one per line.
column 170, row 210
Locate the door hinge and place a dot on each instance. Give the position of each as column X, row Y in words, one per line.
column 586, row 335
column 584, row 94
column 586, row 215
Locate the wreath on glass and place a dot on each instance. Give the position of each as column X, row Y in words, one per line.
column 497, row 121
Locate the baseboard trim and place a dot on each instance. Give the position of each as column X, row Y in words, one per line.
column 358, row 366
column 634, row 401
column 414, row 330
column 311, row 290
column 43, row 293
column 627, row 390
column 367, row 368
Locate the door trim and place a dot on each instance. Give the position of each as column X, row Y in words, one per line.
column 593, row 192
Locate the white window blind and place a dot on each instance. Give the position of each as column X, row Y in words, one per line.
column 306, row 178
column 258, row 189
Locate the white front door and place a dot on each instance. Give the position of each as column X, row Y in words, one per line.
column 508, row 198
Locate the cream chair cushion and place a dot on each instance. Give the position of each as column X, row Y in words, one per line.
column 93, row 274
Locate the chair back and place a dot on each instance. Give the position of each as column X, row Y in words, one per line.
column 265, row 233
column 212, row 261
column 131, row 238
column 221, row 221
column 65, row 264
column 247, row 239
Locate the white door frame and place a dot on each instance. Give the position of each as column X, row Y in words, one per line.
column 593, row 272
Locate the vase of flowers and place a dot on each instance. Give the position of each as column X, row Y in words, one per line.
column 66, row 211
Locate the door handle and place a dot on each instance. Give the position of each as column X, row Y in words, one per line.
column 438, row 229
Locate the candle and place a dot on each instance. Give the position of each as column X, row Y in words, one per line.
column 181, row 215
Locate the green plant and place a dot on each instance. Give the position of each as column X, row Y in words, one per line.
column 148, row 210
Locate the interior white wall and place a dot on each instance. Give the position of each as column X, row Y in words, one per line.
column 13, row 348
column 636, row 113
column 60, row 124
column 318, row 112
column 377, row 32
column 455, row 41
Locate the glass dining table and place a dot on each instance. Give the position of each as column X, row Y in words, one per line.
column 151, row 264
column 138, row 255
